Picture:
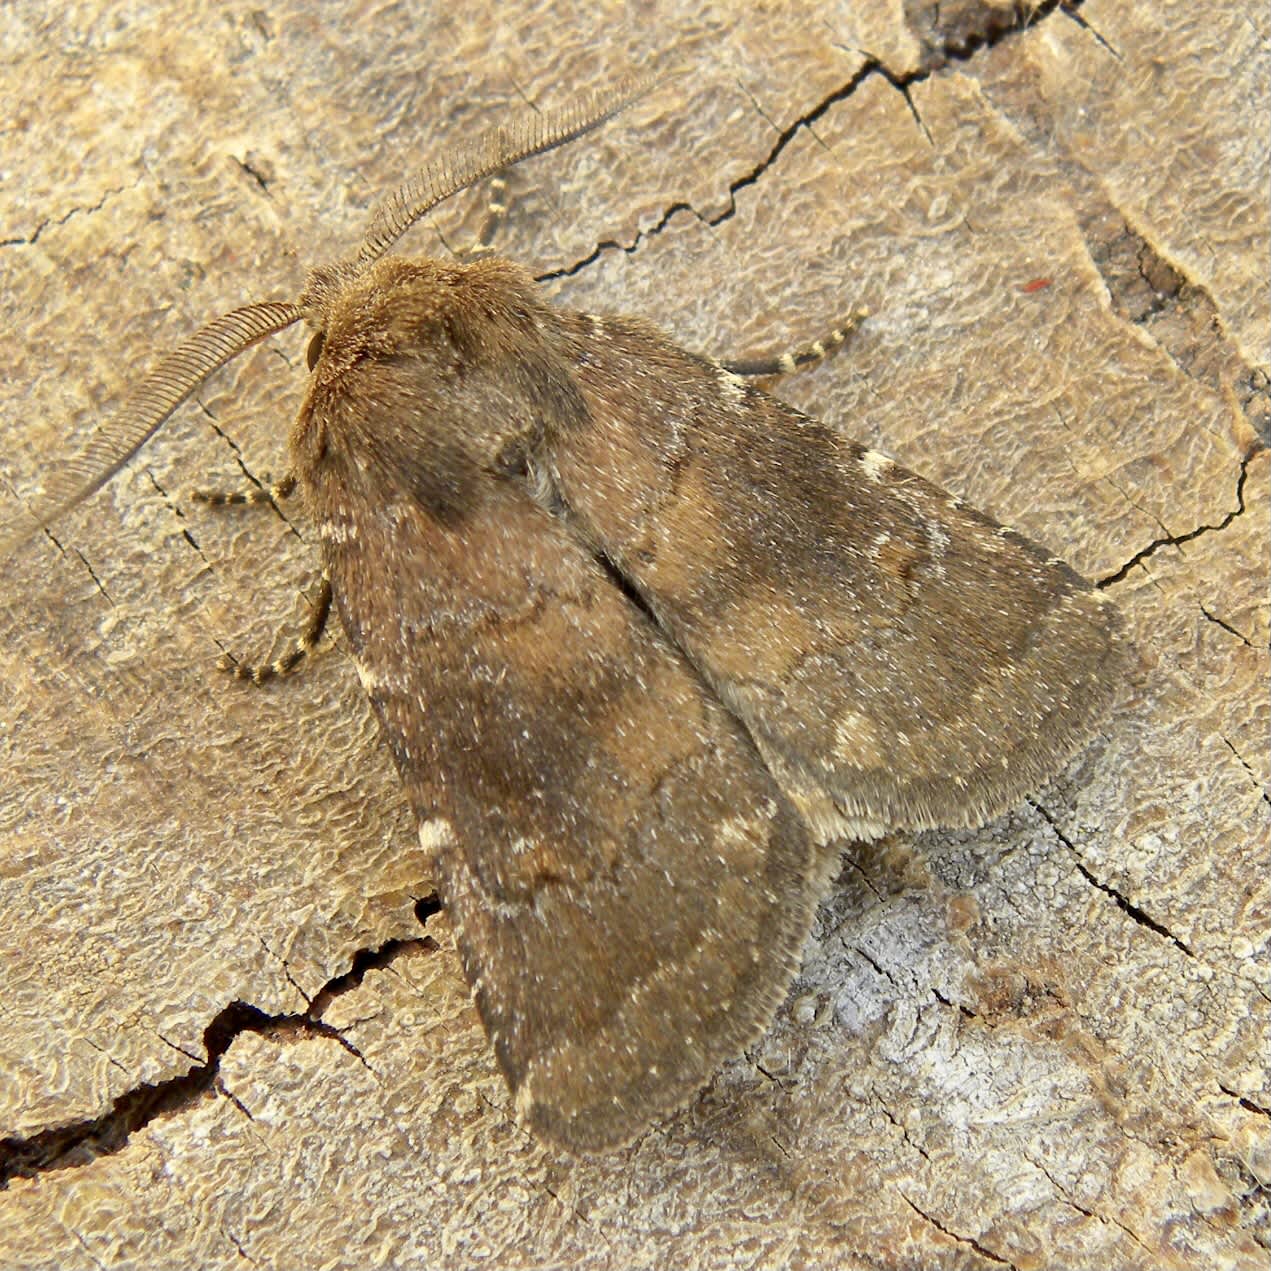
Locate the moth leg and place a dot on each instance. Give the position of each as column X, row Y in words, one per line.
column 263, row 672
column 495, row 214
column 797, row 359
column 257, row 494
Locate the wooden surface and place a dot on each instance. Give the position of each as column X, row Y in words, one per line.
column 1040, row 1044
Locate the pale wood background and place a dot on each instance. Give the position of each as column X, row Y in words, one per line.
column 1041, row 1044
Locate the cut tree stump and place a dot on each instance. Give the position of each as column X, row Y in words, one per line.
column 234, row 1028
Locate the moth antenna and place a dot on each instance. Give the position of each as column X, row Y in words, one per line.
column 145, row 410
column 498, row 148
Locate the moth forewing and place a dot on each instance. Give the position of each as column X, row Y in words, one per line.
column 630, row 887
column 903, row 659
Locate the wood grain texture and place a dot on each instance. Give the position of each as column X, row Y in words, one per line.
column 1038, row 1044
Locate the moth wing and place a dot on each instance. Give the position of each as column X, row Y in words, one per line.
column 631, row 891
column 899, row 658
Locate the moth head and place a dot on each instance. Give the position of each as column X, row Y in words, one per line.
column 420, row 364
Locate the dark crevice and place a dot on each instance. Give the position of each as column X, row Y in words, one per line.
column 1177, row 540
column 1244, row 763
column 286, row 970
column 426, row 906
column 260, row 484
column 913, row 108
column 612, row 245
column 1069, row 1199
column 1226, row 626
column 757, row 106
column 577, row 1213
column 1245, row 1102
column 76, row 1144
column 365, row 960
column 281, row 354
column 526, row 99
column 176, row 511
column 226, row 1093
column 238, row 1244
column 260, row 178
column 965, row 1011
column 856, row 949
column 904, row 1133
column 870, row 67
column 101, row 1050
column 763, row 1072
column 92, row 573
column 1061, row 1191
column 1126, row 906
column 969, row 1241
column 88, row 1253
column 1253, row 391
column 972, row 28
column 87, row 210
column 854, row 864
column 940, row 50
column 501, row 1112
column 1070, row 12
column 1177, row 312
column 52, row 538
column 1165, row 284
column 181, row 1050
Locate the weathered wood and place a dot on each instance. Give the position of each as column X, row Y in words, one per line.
column 1041, row 1044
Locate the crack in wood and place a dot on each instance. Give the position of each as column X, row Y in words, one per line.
column 999, row 25
column 970, row 1241
column 1123, row 903
column 1177, row 540
column 81, row 210
column 81, row 1142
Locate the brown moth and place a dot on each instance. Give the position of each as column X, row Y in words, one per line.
column 646, row 645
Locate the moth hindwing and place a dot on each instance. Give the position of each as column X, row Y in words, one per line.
column 646, row 644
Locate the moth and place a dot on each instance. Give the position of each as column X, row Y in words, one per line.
column 647, row 644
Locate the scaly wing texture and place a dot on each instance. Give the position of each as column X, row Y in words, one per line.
column 630, row 888
column 900, row 659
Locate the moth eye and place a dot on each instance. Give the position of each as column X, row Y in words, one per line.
column 314, row 351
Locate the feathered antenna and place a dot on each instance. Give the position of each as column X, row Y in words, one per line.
column 187, row 366
column 499, row 148
column 145, row 409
